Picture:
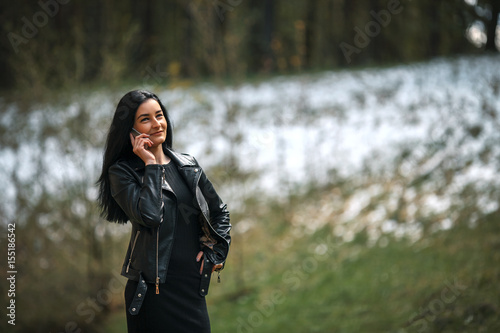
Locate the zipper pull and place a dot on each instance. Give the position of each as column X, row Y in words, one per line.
column 157, row 285
column 218, row 276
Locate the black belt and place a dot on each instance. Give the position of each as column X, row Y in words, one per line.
column 206, row 274
column 140, row 293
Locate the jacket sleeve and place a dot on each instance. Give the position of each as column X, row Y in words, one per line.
column 142, row 203
column 219, row 220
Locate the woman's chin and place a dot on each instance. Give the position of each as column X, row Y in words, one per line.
column 157, row 142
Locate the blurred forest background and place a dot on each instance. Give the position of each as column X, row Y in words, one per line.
column 406, row 239
column 70, row 42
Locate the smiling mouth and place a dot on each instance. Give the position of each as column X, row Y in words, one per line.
column 158, row 133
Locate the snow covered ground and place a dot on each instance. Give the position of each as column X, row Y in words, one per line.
column 290, row 130
column 300, row 128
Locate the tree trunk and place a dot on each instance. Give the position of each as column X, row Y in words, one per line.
column 309, row 33
column 269, row 59
column 189, row 64
column 491, row 26
column 434, row 28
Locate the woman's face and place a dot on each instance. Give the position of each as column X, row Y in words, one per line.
column 149, row 119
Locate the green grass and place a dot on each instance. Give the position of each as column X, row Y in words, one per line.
column 116, row 323
column 453, row 275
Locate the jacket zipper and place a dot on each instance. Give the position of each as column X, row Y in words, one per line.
column 158, row 231
column 157, row 275
column 132, row 250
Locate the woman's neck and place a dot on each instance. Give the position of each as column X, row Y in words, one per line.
column 160, row 156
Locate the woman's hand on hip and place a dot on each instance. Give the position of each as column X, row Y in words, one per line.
column 198, row 258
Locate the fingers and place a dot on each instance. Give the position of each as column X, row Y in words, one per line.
column 140, row 142
column 218, row 266
column 140, row 145
column 136, row 140
column 198, row 258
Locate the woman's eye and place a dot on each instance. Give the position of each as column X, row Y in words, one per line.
column 144, row 119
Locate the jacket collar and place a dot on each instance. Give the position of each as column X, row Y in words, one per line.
column 181, row 160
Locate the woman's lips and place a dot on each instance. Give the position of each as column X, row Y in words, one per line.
column 157, row 133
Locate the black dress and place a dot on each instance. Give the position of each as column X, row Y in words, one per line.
column 178, row 307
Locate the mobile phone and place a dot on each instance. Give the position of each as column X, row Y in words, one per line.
column 135, row 132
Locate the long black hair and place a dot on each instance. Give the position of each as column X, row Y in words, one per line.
column 118, row 146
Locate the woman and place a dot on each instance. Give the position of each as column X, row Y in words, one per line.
column 180, row 226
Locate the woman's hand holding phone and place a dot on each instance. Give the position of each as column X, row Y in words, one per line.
column 140, row 144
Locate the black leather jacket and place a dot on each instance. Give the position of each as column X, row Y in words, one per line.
column 152, row 209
